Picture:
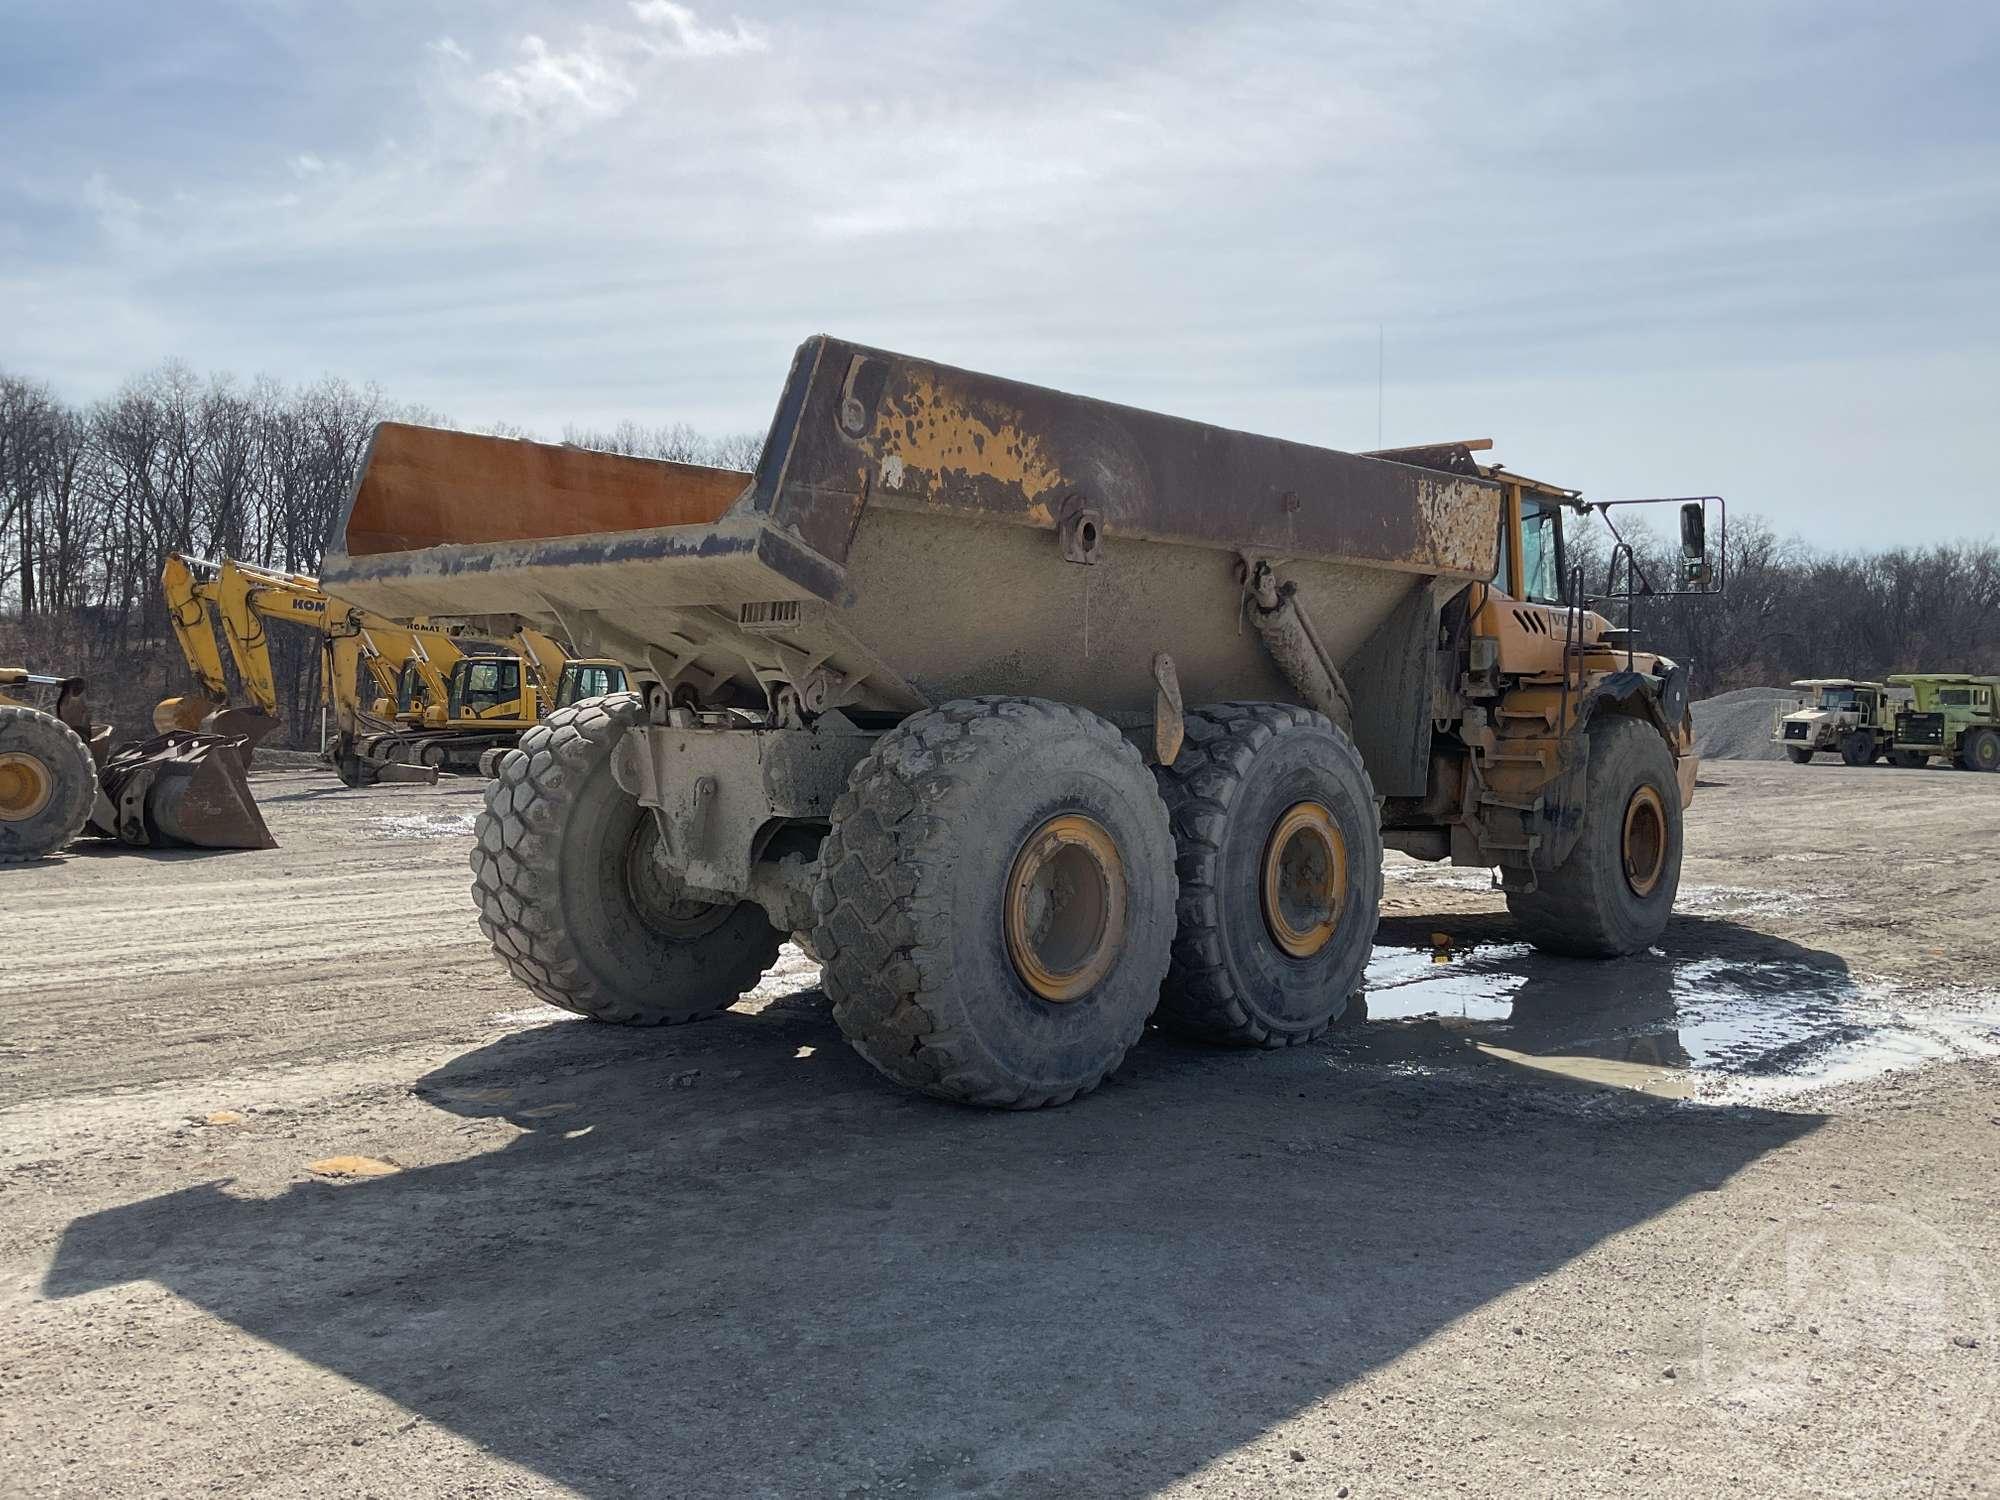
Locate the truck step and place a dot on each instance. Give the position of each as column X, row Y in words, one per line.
column 1532, row 805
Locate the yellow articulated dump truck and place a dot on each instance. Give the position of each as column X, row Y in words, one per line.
column 1039, row 717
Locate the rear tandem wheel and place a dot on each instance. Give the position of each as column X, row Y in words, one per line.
column 995, row 902
column 1280, row 863
column 574, row 899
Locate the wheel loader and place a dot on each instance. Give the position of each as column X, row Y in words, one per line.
column 59, row 777
column 1040, row 718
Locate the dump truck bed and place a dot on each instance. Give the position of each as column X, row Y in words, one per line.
column 915, row 533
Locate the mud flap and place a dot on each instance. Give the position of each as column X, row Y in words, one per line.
column 181, row 788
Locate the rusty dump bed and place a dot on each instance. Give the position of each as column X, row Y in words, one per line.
column 918, row 532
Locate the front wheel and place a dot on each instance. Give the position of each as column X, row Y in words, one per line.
column 47, row 783
column 1797, row 754
column 575, row 899
column 1614, row 893
column 1908, row 760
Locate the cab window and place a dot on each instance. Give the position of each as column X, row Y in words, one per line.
column 1541, row 551
column 1959, row 697
column 483, row 685
column 588, row 682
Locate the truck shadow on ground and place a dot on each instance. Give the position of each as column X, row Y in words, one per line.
column 728, row 1260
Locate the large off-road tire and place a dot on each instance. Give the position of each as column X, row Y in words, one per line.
column 1797, row 754
column 1858, row 749
column 573, row 899
column 47, row 783
column 1909, row 760
column 1614, row 893
column 1980, row 750
column 1280, row 863
column 996, row 901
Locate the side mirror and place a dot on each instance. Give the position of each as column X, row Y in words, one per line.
column 1694, row 545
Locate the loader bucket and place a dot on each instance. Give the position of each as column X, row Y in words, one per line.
column 182, row 788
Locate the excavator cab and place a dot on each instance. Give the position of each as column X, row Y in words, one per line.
column 487, row 690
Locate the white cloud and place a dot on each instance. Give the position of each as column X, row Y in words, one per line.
column 117, row 215
column 641, row 213
column 564, row 89
column 692, row 38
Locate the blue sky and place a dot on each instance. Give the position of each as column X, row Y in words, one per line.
column 1749, row 249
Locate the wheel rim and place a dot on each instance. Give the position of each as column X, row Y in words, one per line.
column 25, row 786
column 1645, row 840
column 1305, row 879
column 1065, row 907
column 659, row 897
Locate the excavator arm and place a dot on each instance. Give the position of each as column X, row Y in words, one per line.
column 245, row 598
column 189, row 609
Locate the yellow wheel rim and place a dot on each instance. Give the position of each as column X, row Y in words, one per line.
column 1644, row 842
column 1065, row 907
column 1305, row 879
column 25, row 786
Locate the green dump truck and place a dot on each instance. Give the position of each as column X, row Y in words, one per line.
column 1954, row 715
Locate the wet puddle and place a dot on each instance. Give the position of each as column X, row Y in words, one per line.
column 1711, row 1028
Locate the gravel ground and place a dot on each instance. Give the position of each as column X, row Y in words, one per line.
column 300, row 1196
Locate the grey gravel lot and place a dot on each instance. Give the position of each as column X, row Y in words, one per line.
column 301, row 1196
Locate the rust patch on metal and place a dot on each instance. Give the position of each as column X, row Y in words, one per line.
column 928, row 435
column 1460, row 523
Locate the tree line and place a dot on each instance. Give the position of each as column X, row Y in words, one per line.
column 1791, row 610
column 93, row 497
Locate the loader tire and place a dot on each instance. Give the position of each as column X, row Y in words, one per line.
column 1614, row 893
column 1980, row 750
column 48, row 783
column 573, row 900
column 1858, row 749
column 995, row 902
column 1280, row 863
column 1909, row 760
column 1798, row 755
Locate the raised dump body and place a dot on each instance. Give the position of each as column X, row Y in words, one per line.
column 910, row 531
column 923, row 654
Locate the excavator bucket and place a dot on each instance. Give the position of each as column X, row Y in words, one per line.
column 181, row 788
column 251, row 725
column 183, row 713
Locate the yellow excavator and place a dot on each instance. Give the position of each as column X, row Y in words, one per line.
column 444, row 700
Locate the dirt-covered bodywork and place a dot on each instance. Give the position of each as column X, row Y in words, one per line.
column 927, row 556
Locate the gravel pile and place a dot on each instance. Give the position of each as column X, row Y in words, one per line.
column 1738, row 725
